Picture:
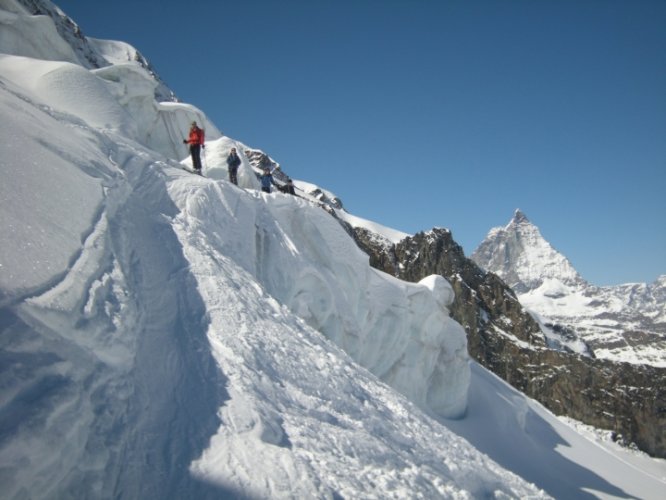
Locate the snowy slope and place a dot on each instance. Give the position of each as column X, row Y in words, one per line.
column 111, row 342
column 170, row 336
column 621, row 323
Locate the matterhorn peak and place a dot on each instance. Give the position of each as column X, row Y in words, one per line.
column 519, row 217
column 522, row 257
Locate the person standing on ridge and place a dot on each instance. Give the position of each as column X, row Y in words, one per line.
column 267, row 179
column 233, row 161
column 196, row 142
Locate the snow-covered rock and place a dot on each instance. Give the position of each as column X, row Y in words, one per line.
column 520, row 255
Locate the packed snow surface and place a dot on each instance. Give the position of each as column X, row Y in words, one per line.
column 165, row 335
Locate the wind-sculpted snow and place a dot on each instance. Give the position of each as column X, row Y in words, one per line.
column 399, row 331
column 160, row 126
column 119, row 98
column 49, row 202
column 103, row 362
column 18, row 35
column 303, row 420
column 68, row 88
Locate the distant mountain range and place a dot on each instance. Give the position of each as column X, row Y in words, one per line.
column 621, row 323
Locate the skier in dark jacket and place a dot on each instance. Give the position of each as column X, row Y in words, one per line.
column 233, row 162
column 196, row 142
column 266, row 180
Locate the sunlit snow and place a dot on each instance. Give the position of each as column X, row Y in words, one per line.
column 166, row 335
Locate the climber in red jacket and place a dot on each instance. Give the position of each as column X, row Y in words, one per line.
column 196, row 142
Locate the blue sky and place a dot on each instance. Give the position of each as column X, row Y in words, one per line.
column 430, row 113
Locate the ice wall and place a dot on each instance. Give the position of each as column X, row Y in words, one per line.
column 303, row 257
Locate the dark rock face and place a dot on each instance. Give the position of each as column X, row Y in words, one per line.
column 627, row 399
column 260, row 160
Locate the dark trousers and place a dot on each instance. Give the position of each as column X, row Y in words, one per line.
column 233, row 171
column 195, row 151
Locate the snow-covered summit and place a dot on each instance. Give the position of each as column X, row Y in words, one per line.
column 622, row 323
column 519, row 217
column 522, row 257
